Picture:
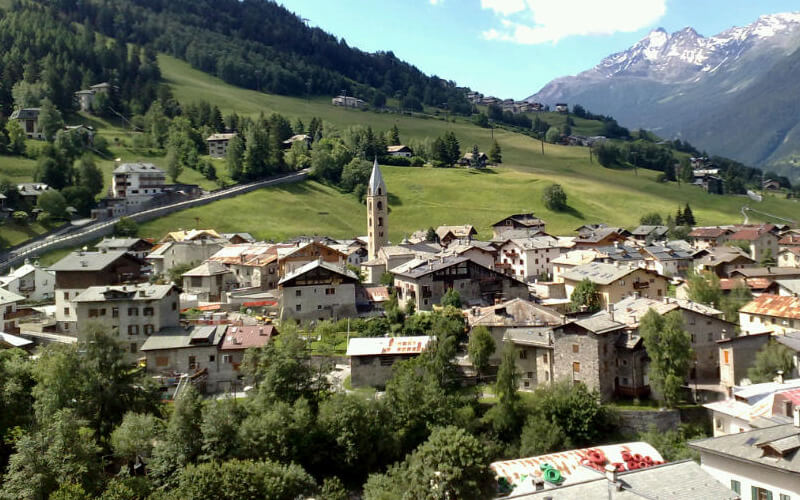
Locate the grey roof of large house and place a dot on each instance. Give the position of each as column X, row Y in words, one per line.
column 376, row 180
column 523, row 219
column 128, row 168
column 315, row 264
column 790, row 339
column 536, row 335
column 431, row 266
column 7, row 297
column 599, row 323
column 208, row 268
column 723, row 255
column 619, row 253
column 514, row 313
column 599, row 234
column 750, row 447
column 631, row 308
column 25, row 114
column 645, row 230
column 132, row 292
column 684, row 480
column 118, row 242
column 88, row 261
column 664, row 253
column 179, row 337
column 598, row 272
column 759, row 272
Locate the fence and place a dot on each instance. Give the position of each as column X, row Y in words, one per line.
column 98, row 230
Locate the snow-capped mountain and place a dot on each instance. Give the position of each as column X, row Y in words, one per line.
column 684, row 84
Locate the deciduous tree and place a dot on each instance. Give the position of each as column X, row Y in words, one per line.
column 769, row 359
column 670, row 350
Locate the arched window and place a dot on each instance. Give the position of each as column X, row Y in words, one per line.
column 379, row 191
column 380, row 221
column 380, row 205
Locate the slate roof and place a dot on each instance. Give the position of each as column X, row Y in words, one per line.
column 179, row 337
column 208, row 268
column 129, row 168
column 665, row 253
column 779, row 306
column 598, row 272
column 684, row 480
column 123, row 243
column 14, row 341
column 142, row 292
column 514, row 312
column 220, row 137
column 749, row 446
column 599, row 234
column 376, row 181
column 708, row 232
column 464, row 231
column 761, row 272
column 25, row 114
column 89, row 261
column 535, row 336
column 315, row 264
column 646, row 230
column 723, row 255
column 387, row 346
column 631, row 309
column 243, row 337
column 600, row 323
column 790, row 339
column 529, row 220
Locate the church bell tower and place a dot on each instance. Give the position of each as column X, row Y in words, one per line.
column 377, row 209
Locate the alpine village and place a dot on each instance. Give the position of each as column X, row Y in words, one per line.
column 243, row 259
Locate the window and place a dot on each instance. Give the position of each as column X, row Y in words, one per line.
column 226, row 358
column 710, row 337
column 693, row 339
column 330, row 291
column 115, row 312
column 380, row 221
column 133, row 329
column 718, row 423
column 576, row 367
column 174, row 306
column 66, row 311
column 526, row 384
column 387, row 360
column 196, row 281
column 365, row 360
column 319, row 307
column 162, row 361
column 192, row 362
column 544, row 357
column 147, row 311
column 298, row 307
column 760, row 493
column 523, row 354
column 93, row 313
column 546, row 376
column 133, row 311
column 575, row 348
column 736, row 486
column 134, row 348
column 298, row 293
column 103, row 311
column 725, row 358
column 211, row 358
column 148, row 329
column 785, row 497
column 65, row 295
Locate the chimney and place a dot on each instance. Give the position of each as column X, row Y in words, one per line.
column 610, row 309
column 780, row 376
column 611, row 477
column 796, row 415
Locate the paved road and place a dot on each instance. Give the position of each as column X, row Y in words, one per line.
column 99, row 229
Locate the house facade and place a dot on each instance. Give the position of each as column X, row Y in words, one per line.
column 80, row 270
column 518, row 222
column 218, row 144
column 209, row 281
column 133, row 312
column 372, row 358
column 28, row 119
column 762, row 240
column 166, row 256
column 33, row 282
column 528, row 259
column 770, row 313
column 318, row 290
column 426, row 284
column 615, row 282
column 737, row 355
column 9, row 318
column 137, row 183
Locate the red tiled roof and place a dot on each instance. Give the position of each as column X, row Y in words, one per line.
column 790, row 239
column 752, row 283
column 708, row 232
column 243, row 337
column 774, row 305
column 751, row 233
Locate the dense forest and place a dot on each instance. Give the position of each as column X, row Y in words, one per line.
column 258, row 44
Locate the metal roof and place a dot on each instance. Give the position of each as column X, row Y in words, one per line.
column 208, row 268
column 90, row 261
column 387, row 346
column 779, row 306
column 598, row 272
column 315, row 264
column 142, row 291
column 747, row 446
column 178, row 337
column 142, row 168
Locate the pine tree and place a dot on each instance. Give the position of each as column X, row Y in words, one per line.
column 453, row 148
column 475, row 160
column 495, row 154
column 679, row 220
column 395, row 136
column 688, row 216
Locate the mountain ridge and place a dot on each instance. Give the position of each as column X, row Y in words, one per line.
column 681, row 84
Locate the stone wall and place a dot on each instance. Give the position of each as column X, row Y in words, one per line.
column 635, row 421
column 98, row 230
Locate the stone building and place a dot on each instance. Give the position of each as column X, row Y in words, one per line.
column 80, row 270
column 372, row 358
column 170, row 254
column 132, row 312
column 528, row 224
column 377, row 212
column 318, row 290
column 614, row 282
column 425, row 284
column 209, row 281
column 237, row 339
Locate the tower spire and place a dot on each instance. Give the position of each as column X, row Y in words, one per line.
column 377, row 211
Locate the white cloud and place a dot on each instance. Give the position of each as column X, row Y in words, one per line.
column 543, row 21
column 436, row 2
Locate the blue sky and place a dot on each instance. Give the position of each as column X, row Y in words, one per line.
column 511, row 48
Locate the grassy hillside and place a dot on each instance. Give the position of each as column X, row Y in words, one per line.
column 424, row 197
